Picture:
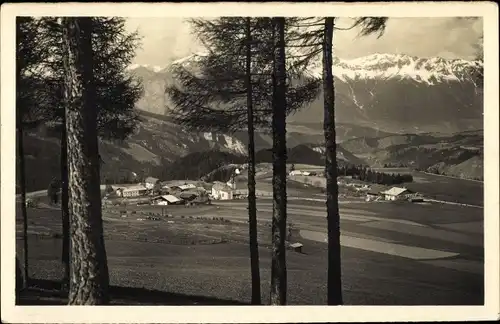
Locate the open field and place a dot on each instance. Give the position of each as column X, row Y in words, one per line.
column 388, row 251
column 431, row 186
column 448, row 189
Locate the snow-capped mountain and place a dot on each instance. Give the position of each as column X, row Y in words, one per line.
column 391, row 92
column 384, row 66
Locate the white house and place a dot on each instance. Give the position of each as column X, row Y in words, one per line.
column 396, row 193
column 222, row 191
column 133, row 191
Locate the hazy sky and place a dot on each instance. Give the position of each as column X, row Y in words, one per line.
column 167, row 39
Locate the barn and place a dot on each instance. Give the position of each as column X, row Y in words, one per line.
column 396, row 193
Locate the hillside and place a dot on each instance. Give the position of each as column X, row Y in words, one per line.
column 459, row 155
column 211, row 165
column 156, row 148
column 309, row 154
column 387, row 92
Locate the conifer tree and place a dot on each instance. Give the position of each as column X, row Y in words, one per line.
column 279, row 104
column 230, row 89
column 116, row 93
column 316, row 36
column 89, row 277
column 30, row 104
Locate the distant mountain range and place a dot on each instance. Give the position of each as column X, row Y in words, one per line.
column 161, row 148
column 154, row 147
column 387, row 92
column 390, row 109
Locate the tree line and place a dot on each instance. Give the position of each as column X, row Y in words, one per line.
column 366, row 174
column 71, row 74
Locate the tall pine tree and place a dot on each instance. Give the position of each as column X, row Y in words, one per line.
column 278, row 263
column 116, row 93
column 89, row 277
column 315, row 35
column 230, row 89
column 31, row 104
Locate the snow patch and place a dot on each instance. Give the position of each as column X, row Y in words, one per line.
column 234, row 144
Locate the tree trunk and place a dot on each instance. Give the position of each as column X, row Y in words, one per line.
column 89, row 278
column 24, row 212
column 252, row 207
column 20, row 280
column 332, row 206
column 278, row 265
column 65, row 257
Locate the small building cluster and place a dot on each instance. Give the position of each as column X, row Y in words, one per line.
column 163, row 193
column 377, row 192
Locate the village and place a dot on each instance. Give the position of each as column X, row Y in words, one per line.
column 153, row 191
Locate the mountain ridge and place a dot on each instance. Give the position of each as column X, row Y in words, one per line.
column 392, row 93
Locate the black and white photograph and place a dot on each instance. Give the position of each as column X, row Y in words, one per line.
column 253, row 156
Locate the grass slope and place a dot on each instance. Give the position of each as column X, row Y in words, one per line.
column 458, row 155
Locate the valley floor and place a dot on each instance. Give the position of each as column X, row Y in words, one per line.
column 393, row 254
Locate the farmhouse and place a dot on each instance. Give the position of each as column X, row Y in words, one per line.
column 166, row 200
column 133, row 191
column 151, row 182
column 397, row 193
column 222, row 191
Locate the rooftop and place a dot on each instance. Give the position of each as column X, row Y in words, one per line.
column 395, row 191
column 134, row 188
column 171, row 198
column 187, row 186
